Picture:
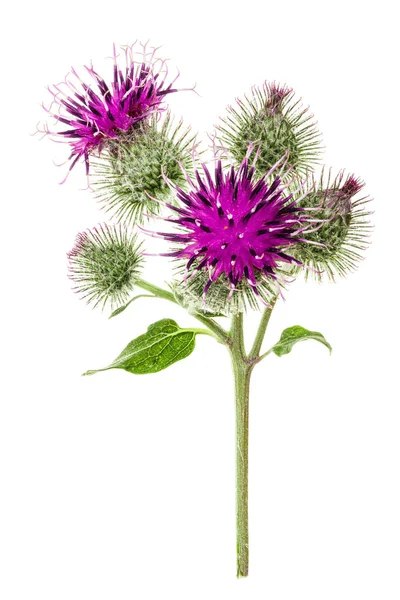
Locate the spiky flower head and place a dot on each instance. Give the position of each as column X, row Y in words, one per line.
column 105, row 263
column 237, row 232
column 99, row 112
column 130, row 179
column 274, row 121
column 344, row 230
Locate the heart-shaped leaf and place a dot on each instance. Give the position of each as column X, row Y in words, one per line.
column 163, row 344
column 292, row 335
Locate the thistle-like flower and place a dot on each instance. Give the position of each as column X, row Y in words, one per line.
column 237, row 232
column 102, row 112
column 130, row 179
column 275, row 123
column 344, row 230
column 105, row 263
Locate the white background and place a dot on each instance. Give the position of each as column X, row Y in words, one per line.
column 119, row 486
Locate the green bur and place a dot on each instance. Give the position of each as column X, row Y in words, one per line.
column 105, row 264
column 335, row 244
column 276, row 124
column 130, row 180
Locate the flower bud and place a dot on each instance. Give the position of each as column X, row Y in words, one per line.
column 105, row 264
column 274, row 122
column 131, row 181
column 340, row 229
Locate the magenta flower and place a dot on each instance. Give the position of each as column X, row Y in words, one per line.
column 236, row 228
column 95, row 116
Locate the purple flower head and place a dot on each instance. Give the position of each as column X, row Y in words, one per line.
column 97, row 113
column 236, row 228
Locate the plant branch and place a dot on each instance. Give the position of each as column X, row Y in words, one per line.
column 261, row 357
column 200, row 331
column 157, row 291
column 237, row 335
column 219, row 332
column 255, row 351
column 242, row 373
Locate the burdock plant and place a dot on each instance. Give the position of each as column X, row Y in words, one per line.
column 239, row 226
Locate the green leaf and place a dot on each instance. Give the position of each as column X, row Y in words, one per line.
column 163, row 344
column 121, row 309
column 292, row 335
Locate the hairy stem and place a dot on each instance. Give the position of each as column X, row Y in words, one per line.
column 242, row 368
column 218, row 331
column 262, row 328
column 242, row 372
column 242, row 365
column 157, row 291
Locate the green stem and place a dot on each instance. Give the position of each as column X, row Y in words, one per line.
column 200, row 331
column 157, row 291
column 262, row 356
column 242, row 372
column 255, row 351
column 242, row 368
column 218, row 331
